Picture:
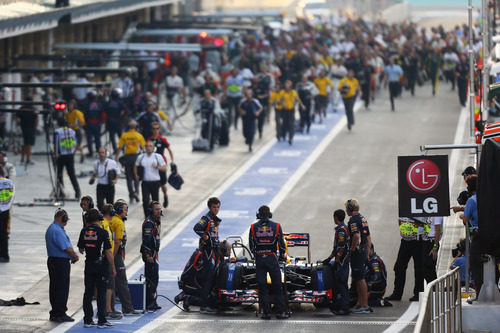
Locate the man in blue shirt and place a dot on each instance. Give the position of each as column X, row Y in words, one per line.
column 60, row 253
column 470, row 213
column 393, row 74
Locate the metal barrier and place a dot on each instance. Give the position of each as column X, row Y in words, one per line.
column 441, row 306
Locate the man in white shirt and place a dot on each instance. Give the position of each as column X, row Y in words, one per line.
column 107, row 173
column 175, row 85
column 148, row 166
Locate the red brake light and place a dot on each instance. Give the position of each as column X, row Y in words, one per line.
column 203, row 34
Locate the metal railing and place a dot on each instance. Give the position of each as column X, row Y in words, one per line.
column 441, row 306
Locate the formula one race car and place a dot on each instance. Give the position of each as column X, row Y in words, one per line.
column 303, row 281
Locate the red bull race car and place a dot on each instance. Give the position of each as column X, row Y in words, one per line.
column 303, row 281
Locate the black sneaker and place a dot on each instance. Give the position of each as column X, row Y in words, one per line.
column 90, row 324
column 186, row 303
column 208, row 310
column 283, row 315
column 165, row 201
column 179, row 297
column 106, row 324
column 341, row 312
column 414, row 298
column 66, row 319
column 265, row 316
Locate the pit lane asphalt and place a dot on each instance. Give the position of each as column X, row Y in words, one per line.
column 360, row 164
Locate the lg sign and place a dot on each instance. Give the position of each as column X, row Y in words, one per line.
column 423, row 186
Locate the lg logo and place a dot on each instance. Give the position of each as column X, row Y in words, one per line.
column 423, row 176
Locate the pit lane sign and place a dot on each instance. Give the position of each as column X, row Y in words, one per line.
column 423, row 186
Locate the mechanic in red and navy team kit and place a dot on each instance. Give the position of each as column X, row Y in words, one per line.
column 193, row 278
column 161, row 143
column 341, row 253
column 376, row 280
column 151, row 232
column 208, row 230
column 359, row 247
column 263, row 237
column 94, row 241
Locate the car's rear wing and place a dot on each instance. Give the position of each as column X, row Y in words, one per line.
column 299, row 240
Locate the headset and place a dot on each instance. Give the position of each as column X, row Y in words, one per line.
column 350, row 206
column 64, row 216
column 151, row 205
column 109, row 210
column 88, row 198
column 118, row 207
column 258, row 216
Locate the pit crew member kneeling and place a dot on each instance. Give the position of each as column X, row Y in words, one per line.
column 263, row 237
column 376, row 280
column 194, row 277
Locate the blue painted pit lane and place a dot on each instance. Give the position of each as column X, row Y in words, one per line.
column 257, row 186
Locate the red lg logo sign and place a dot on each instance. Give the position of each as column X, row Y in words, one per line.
column 423, row 176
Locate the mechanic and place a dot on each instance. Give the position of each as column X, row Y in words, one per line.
column 94, row 241
column 208, row 230
column 115, row 110
column 64, row 147
column 133, row 142
column 161, row 143
column 107, row 173
column 93, row 119
column 147, row 118
column 410, row 247
column 341, row 253
column 151, row 232
column 263, row 238
column 119, row 216
column 250, row 109
column 86, row 204
column 376, row 279
column 360, row 248
column 193, row 278
column 105, row 223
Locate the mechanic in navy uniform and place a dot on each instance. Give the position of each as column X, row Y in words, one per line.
column 208, row 230
column 360, row 246
column 151, row 232
column 263, row 237
column 376, row 280
column 193, row 277
column 93, row 118
column 95, row 242
column 115, row 111
column 341, row 253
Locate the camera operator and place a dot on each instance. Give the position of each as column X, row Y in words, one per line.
column 458, row 254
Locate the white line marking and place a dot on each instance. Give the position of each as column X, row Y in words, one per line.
column 407, row 317
column 273, row 205
column 288, row 322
